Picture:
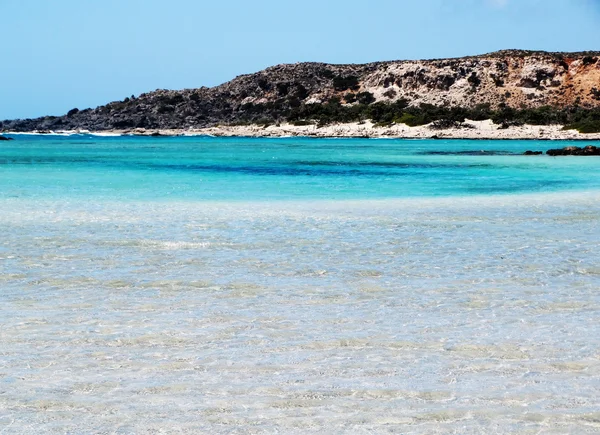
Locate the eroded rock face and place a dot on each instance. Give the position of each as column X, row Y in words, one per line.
column 506, row 78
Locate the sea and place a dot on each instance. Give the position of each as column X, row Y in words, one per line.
column 158, row 285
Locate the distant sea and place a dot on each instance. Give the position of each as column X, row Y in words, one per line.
column 212, row 285
column 242, row 169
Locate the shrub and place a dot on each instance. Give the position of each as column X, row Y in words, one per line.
column 72, row 112
column 327, row 73
column 408, row 119
column 481, row 112
column 365, row 98
column 443, row 124
column 264, row 84
column 388, row 81
column 474, row 80
column 265, row 122
column 587, row 126
column 541, row 116
column 294, row 102
column 381, row 113
column 124, row 123
column 171, row 99
column 301, row 91
column 344, row 83
column 390, row 93
column 283, row 88
column 165, row 109
column 564, row 64
column 350, row 98
column 302, row 122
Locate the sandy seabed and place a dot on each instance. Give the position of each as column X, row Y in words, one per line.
column 475, row 315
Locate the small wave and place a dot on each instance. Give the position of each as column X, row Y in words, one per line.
column 41, row 133
column 61, row 133
column 105, row 134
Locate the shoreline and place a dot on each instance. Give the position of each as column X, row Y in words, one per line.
column 471, row 130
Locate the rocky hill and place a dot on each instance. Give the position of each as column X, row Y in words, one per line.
column 505, row 79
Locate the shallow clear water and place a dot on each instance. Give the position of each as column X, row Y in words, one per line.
column 139, row 296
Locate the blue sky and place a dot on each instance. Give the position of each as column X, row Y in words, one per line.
column 61, row 54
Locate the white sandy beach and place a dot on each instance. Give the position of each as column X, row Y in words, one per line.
column 477, row 130
column 473, row 130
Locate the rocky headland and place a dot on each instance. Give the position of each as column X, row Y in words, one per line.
column 513, row 89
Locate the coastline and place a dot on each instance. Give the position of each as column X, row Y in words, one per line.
column 471, row 130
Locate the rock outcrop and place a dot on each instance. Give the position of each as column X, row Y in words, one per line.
column 589, row 150
column 512, row 78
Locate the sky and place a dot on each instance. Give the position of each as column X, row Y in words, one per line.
column 62, row 54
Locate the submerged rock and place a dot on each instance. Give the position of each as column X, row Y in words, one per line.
column 532, row 153
column 5, row 138
column 589, row 150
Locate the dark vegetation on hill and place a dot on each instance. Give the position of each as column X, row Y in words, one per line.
column 511, row 87
column 383, row 114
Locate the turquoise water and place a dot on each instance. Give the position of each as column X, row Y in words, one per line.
column 273, row 169
column 297, row 286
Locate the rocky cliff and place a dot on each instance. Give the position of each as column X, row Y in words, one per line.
column 512, row 78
